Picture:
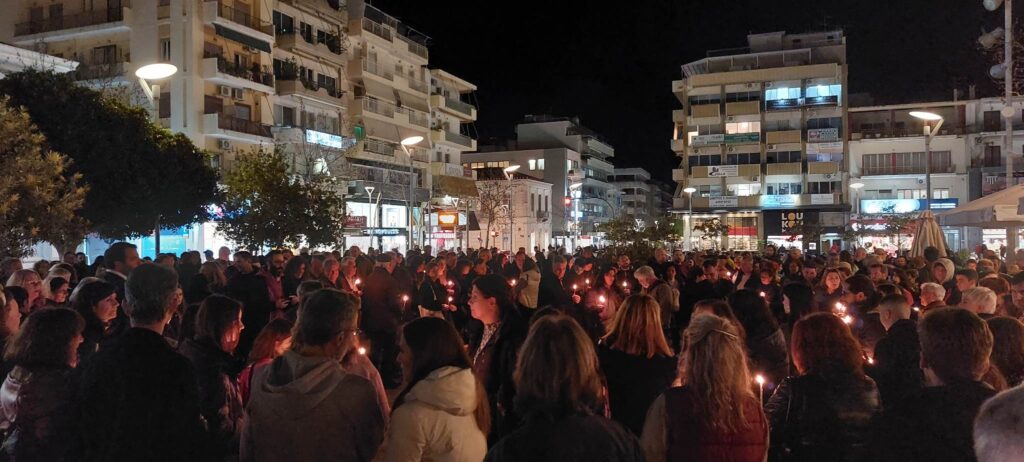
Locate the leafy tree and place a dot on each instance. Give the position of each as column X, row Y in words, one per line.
column 264, row 205
column 37, row 201
column 632, row 237
column 137, row 172
column 712, row 229
column 493, row 204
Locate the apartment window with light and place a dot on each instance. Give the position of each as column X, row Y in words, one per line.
column 533, row 164
column 814, row 91
column 779, row 189
column 825, row 157
column 772, row 94
column 709, row 190
column 744, row 189
column 742, row 127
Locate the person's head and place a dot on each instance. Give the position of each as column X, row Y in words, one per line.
column 810, row 271
column 151, row 295
column 332, row 269
column 607, row 278
column 1007, row 346
column 10, row 315
column 28, row 280
column 213, row 274
column 832, row 280
column 96, row 300
column 859, row 291
column 671, row 273
column 306, row 288
column 980, row 300
column 490, row 298
column 998, row 427
column 272, row 341
column 623, row 261
column 966, row 279
column 219, row 320
column 387, row 261
column 348, row 267
column 558, row 266
column 823, row 344
column 275, row 263
column 942, row 270
column 636, row 328
column 747, row 264
column 766, row 276
column 243, row 261
column 793, row 267
column 55, row 288
column 798, row 300
column 224, row 253
column 327, row 325
column 660, row 255
column 8, row 266
column 752, row 311
column 955, row 346
column 41, row 267
column 431, row 270
column 557, row 373
column 295, row 268
column 710, row 268
column 121, row 257
column 48, row 338
column 878, row 273
column 931, row 253
column 893, row 308
column 645, row 276
column 714, row 366
column 931, row 293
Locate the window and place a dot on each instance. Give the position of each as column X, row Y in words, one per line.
column 993, row 121
column 533, row 164
column 825, row 122
column 743, row 158
column 708, row 190
column 777, row 189
column 993, row 157
column 814, row 91
column 283, row 24
column 288, row 116
column 702, row 160
column 744, row 189
column 532, row 199
column 306, row 31
column 904, row 163
column 781, row 93
column 324, row 81
column 742, row 127
column 165, row 49
column 824, row 187
column 165, row 105
column 743, row 96
column 825, row 157
column 705, row 99
column 782, row 157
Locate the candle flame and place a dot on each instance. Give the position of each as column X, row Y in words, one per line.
column 405, row 298
column 601, row 299
column 848, row 319
column 450, row 299
column 871, row 360
column 512, row 282
column 917, row 308
column 759, row 379
column 762, row 294
column 358, row 281
column 362, row 350
column 625, row 284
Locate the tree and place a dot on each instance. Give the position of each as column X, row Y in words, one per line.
column 264, row 205
column 632, row 237
column 712, row 229
column 493, row 204
column 137, row 173
column 38, row 203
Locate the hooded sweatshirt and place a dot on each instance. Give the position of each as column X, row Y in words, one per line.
column 309, row 408
column 436, row 420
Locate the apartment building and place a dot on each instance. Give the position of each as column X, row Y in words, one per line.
column 762, row 130
column 528, row 225
column 642, row 196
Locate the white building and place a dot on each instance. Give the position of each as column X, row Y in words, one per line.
column 530, row 220
column 642, row 197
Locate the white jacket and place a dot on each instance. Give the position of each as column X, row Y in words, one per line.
column 436, row 422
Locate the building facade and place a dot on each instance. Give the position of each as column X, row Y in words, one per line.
column 762, row 130
column 642, row 196
column 528, row 225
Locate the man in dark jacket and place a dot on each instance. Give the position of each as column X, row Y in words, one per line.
column 659, row 263
column 249, row 286
column 936, row 422
column 897, row 359
column 553, row 290
column 382, row 304
column 118, row 261
column 138, row 399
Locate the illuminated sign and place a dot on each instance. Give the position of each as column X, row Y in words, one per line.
column 383, row 232
column 783, row 104
column 783, row 200
column 707, row 140
column 723, row 201
column 883, row 206
column 447, row 220
column 329, row 140
column 355, row 221
column 822, row 134
column 715, row 171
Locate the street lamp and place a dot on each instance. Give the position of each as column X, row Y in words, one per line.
column 576, row 193
column 156, row 71
column 508, row 171
column 410, row 141
column 929, row 133
column 369, row 217
column 689, row 190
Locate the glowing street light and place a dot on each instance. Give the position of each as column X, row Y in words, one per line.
column 929, row 133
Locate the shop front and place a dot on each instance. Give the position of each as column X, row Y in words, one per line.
column 889, row 224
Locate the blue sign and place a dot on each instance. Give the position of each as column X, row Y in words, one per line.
column 883, row 206
column 329, row 140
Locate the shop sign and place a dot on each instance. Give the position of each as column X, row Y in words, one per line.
column 825, row 148
column 782, row 200
column 822, row 199
column 723, row 201
column 883, row 206
column 352, row 221
column 822, row 134
column 443, row 235
column 715, row 171
column 383, row 232
column 739, row 138
column 829, row 100
column 707, row 140
column 783, row 104
column 329, row 140
column 791, row 222
column 447, row 220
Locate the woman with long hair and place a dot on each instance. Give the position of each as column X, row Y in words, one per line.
column 209, row 280
column 721, row 309
column 442, row 395
column 715, row 414
column 55, row 291
column 825, row 411
column 1008, row 348
column 636, row 359
column 36, row 399
column 604, row 297
column 33, row 284
column 766, row 343
column 211, row 351
column 432, row 299
column 272, row 341
column 294, row 272
column 829, row 290
column 561, row 399
column 96, row 301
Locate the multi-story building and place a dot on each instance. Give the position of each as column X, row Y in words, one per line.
column 642, row 197
column 528, row 225
column 761, row 130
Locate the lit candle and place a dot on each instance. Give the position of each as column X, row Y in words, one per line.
column 763, row 295
column 358, row 281
column 848, row 319
column 450, row 299
column 601, row 300
column 405, row 299
column 450, row 283
column 588, row 282
column 728, row 273
column 625, row 284
column 574, row 289
column 760, row 387
column 871, row 360
column 512, row 282
column 362, row 350
column 917, row 308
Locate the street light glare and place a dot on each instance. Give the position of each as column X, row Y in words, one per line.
column 512, row 168
column 991, row 5
column 857, row 185
column 412, row 140
column 925, row 115
column 689, row 190
column 575, row 185
column 156, row 71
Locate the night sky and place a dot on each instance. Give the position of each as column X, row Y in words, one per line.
column 613, row 66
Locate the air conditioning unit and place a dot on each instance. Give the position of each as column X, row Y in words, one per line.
column 224, row 90
column 732, row 148
column 755, row 178
column 978, row 140
column 237, row 93
column 768, row 84
column 829, row 176
column 730, row 118
column 223, row 144
column 771, row 147
column 750, row 85
column 250, row 49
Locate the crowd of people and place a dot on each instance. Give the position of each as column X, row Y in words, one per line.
column 488, row 355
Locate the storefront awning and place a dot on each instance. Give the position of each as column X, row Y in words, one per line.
column 992, row 211
column 455, row 186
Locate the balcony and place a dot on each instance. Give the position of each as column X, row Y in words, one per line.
column 455, row 107
column 250, row 29
column 376, row 106
column 678, row 174
column 296, row 43
column 720, row 202
column 74, row 26
column 905, row 170
column 311, row 90
column 101, row 71
column 823, row 168
column 377, row 29
column 459, row 140
column 783, row 136
column 417, row 118
column 222, row 71
column 379, row 147
column 223, row 125
column 785, row 168
column 456, row 170
column 414, row 85
column 377, row 69
column 743, row 108
column 414, row 48
column 705, row 110
column 243, row 18
column 678, row 145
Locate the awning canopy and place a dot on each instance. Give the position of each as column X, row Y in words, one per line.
column 996, row 210
column 455, row 186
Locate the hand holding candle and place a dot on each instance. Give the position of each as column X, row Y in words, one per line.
column 760, row 387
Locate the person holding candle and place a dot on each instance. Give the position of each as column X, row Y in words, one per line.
column 666, row 297
column 528, row 285
column 604, row 296
column 861, row 300
column 766, row 344
column 829, row 289
column 555, row 288
column 433, row 296
column 382, row 311
column 897, row 356
column 714, row 415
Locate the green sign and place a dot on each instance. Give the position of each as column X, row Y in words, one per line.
column 739, row 138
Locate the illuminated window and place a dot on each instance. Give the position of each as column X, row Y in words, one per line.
column 742, row 127
column 533, row 164
column 781, row 93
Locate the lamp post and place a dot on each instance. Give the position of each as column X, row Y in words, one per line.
column 156, row 71
column 929, row 133
column 1004, row 70
column 410, row 141
column 508, row 171
column 689, row 190
column 369, row 217
column 576, row 193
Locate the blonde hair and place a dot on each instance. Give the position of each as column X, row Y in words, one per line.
column 714, row 366
column 636, row 328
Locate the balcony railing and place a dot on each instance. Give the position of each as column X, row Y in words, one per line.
column 416, row 117
column 905, row 170
column 460, row 106
column 377, row 29
column 253, row 73
column 379, row 147
column 99, row 71
column 244, row 18
column 458, row 138
column 415, row 48
column 417, row 85
column 83, row 19
column 377, row 69
column 236, row 124
column 377, row 106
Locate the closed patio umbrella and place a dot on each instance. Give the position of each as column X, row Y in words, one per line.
column 928, row 234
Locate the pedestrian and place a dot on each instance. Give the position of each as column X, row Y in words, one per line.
column 636, row 360
column 271, row 343
column 55, row 291
column 829, row 290
column 294, row 274
column 943, row 271
column 382, row 312
column 306, row 390
column 1008, row 348
column 825, row 411
column 30, row 281
column 36, row 398
column 561, row 400
column 714, row 415
column 442, row 414
column 604, row 297
column 998, row 427
column 897, row 355
column 766, row 344
column 249, row 287
column 528, row 284
column 432, row 296
column 96, row 301
column 666, row 297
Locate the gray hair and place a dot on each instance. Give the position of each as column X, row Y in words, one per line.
column 980, row 300
column 998, row 427
column 325, row 315
column 936, row 290
column 644, row 272
column 148, row 293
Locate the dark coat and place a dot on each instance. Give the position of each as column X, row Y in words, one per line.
column 934, row 423
column 552, row 291
column 494, row 365
column 220, row 401
column 634, row 382
column 37, row 405
column 816, row 418
column 138, row 400
column 897, row 369
column 768, row 354
column 432, row 295
column 582, row 438
column 251, row 290
column 382, row 302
